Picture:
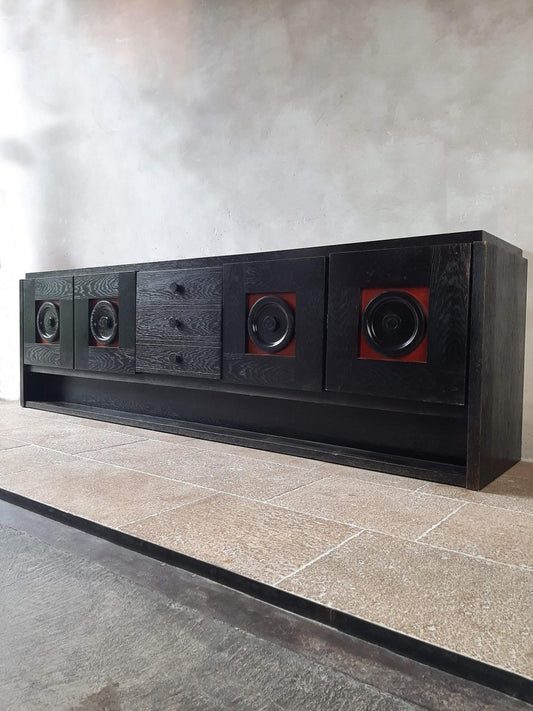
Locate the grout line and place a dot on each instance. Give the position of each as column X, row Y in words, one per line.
column 318, row 557
column 520, row 566
column 435, row 525
column 158, row 513
column 478, row 503
column 296, row 488
column 111, row 446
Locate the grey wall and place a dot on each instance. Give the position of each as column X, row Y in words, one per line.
column 141, row 130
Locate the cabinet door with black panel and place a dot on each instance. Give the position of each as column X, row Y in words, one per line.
column 48, row 321
column 104, row 322
column 179, row 316
column 398, row 323
column 274, row 323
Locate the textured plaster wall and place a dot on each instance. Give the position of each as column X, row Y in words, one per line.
column 150, row 129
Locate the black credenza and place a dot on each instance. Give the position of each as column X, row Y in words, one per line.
column 404, row 356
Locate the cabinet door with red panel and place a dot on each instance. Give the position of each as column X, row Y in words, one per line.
column 104, row 322
column 47, row 322
column 273, row 323
column 398, row 323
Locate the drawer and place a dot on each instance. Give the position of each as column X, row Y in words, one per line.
column 179, row 286
column 180, row 359
column 178, row 323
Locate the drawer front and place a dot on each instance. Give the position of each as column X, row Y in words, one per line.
column 178, row 323
column 179, row 286
column 180, row 359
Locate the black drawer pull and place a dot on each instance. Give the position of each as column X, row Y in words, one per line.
column 176, row 288
column 174, row 322
column 175, row 358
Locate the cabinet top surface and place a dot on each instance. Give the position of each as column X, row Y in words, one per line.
column 322, row 250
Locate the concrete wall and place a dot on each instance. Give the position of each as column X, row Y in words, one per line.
column 150, row 129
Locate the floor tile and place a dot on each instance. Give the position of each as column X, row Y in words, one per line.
column 235, row 475
column 402, row 482
column 247, row 537
column 252, row 453
column 362, row 503
column 99, row 492
column 69, row 436
column 6, row 443
column 512, row 490
column 508, row 539
column 475, row 607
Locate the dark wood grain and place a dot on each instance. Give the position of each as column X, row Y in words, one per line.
column 116, row 360
column 415, row 421
column 496, row 363
column 96, row 286
column 120, row 286
column 195, row 286
column 202, row 361
column 446, row 271
column 42, row 354
column 304, row 277
column 192, row 323
column 449, row 288
column 53, row 288
column 60, row 291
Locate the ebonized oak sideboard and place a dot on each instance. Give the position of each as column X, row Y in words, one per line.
column 404, row 356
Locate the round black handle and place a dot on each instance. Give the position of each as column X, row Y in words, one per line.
column 174, row 322
column 175, row 358
column 176, row 288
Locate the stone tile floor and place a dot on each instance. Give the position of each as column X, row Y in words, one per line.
column 445, row 565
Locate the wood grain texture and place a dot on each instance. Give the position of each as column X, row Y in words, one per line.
column 53, row 288
column 117, row 360
column 446, row 271
column 33, row 291
column 422, row 413
column 42, row 354
column 202, row 361
column 195, row 286
column 448, row 307
column 192, row 323
column 304, row 277
column 496, row 363
column 96, row 286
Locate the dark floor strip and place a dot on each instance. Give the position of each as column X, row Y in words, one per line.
column 444, row 660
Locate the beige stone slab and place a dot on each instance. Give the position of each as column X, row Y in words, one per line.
column 498, row 534
column 367, row 505
column 243, row 476
column 252, row 453
column 67, row 435
column 512, row 490
column 6, row 443
column 402, row 482
column 474, row 607
column 247, row 537
column 99, row 492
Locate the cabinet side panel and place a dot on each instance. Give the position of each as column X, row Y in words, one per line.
column 496, row 375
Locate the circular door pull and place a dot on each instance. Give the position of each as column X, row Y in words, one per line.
column 104, row 322
column 174, row 322
column 176, row 288
column 175, row 358
column 271, row 324
column 48, row 322
column 394, row 323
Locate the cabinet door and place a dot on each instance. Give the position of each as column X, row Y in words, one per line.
column 273, row 323
column 398, row 323
column 104, row 322
column 48, row 322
